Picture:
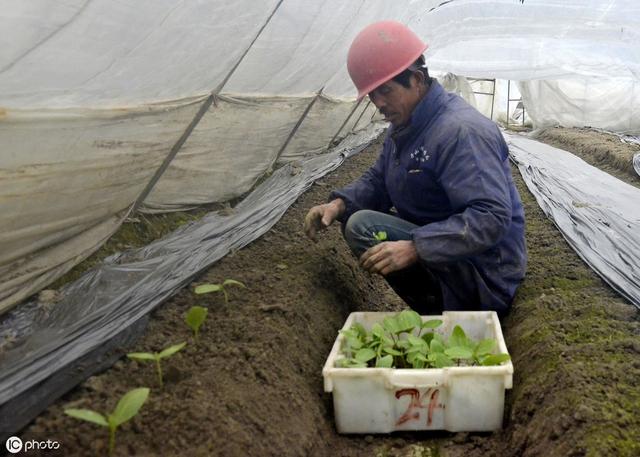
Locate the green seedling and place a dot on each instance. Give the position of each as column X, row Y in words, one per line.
column 405, row 341
column 127, row 407
column 195, row 318
column 207, row 288
column 156, row 357
column 380, row 236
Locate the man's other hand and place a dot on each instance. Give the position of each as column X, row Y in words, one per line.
column 389, row 256
column 322, row 216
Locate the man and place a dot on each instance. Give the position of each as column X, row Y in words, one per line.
column 441, row 189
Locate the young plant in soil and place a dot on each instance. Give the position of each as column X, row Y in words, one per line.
column 157, row 357
column 127, row 407
column 195, row 318
column 208, row 288
column 399, row 342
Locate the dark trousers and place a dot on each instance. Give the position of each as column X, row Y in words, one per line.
column 416, row 285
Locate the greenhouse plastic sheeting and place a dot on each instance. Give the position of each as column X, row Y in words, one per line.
column 598, row 214
column 125, row 84
column 319, row 126
column 146, row 51
column 66, row 183
column 530, row 39
column 234, row 144
column 40, row 342
column 606, row 104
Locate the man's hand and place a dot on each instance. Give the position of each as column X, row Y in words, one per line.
column 389, row 256
column 322, row 216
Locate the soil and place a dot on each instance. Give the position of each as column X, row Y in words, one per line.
column 602, row 150
column 253, row 384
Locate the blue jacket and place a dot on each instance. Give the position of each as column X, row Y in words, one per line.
column 448, row 172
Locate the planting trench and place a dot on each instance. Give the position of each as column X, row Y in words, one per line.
column 253, row 386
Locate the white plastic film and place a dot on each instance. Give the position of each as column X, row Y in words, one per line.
column 61, row 198
column 304, row 47
column 101, row 53
column 234, row 144
column 318, row 128
column 510, row 39
column 610, row 104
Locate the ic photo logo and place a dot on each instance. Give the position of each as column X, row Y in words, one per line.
column 15, row 445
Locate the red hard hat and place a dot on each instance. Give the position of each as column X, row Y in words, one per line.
column 381, row 51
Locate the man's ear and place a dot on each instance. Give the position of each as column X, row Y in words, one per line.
column 419, row 78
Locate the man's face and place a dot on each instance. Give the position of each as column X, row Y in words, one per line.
column 396, row 102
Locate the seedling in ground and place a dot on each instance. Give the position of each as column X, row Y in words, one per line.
column 399, row 342
column 195, row 318
column 157, row 357
column 126, row 409
column 208, row 288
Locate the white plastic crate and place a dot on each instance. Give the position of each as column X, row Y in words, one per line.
column 383, row 400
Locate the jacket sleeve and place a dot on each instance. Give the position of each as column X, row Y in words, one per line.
column 368, row 192
column 472, row 172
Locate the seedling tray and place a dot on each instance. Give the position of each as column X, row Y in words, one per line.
column 384, row 400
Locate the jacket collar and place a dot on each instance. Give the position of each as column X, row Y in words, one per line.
column 424, row 111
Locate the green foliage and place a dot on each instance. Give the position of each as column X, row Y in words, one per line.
column 127, row 407
column 208, row 288
column 380, row 236
column 157, row 357
column 405, row 341
column 195, row 318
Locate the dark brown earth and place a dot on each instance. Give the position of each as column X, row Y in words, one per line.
column 253, row 386
column 605, row 151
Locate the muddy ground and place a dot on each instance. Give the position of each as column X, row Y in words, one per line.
column 253, row 385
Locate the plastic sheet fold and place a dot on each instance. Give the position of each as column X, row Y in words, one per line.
column 598, row 214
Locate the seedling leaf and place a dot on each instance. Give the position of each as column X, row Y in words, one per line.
column 350, row 363
column 458, row 337
column 390, row 324
column 427, row 337
column 409, row 319
column 195, row 318
column 432, row 323
column 129, row 405
column 232, row 282
column 87, row 415
column 442, row 361
column 484, row 347
column 354, row 342
column 380, row 236
column 388, row 341
column 459, row 352
column 207, row 288
column 420, row 357
column 415, row 341
column 360, row 330
column 495, row 359
column 436, row 346
column 171, row 350
column 390, row 350
column 384, row 362
column 365, row 354
column 141, row 356
column 377, row 330
column 349, row 333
